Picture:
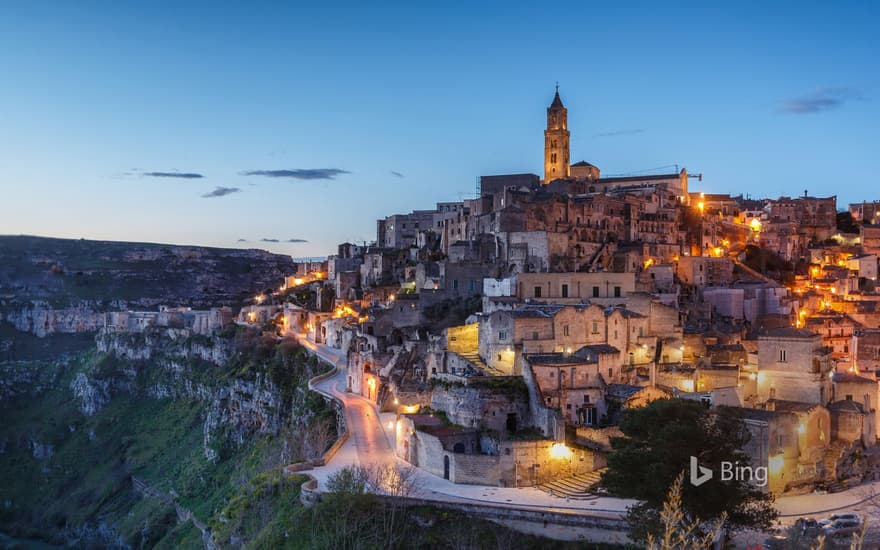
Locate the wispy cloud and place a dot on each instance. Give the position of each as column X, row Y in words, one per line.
column 823, row 99
column 398, row 174
column 300, row 173
column 297, row 241
column 221, row 192
column 265, row 240
column 242, row 240
column 182, row 175
column 618, row 133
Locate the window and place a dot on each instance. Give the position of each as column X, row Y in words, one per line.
column 455, row 284
column 537, row 292
column 502, row 335
column 783, row 355
column 595, row 292
column 595, row 327
column 617, row 292
column 535, row 335
column 849, row 397
column 565, row 330
column 586, row 399
column 565, row 291
column 610, row 373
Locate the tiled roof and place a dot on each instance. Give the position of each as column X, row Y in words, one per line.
column 847, row 405
column 847, row 377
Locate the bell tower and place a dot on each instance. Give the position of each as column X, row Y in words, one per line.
column 556, row 136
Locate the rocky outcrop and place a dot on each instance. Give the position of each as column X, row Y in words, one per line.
column 93, row 394
column 168, row 342
column 238, row 411
column 39, row 318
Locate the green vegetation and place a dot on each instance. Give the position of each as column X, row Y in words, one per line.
column 658, row 441
column 67, row 477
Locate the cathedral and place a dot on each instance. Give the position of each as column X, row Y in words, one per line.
column 557, row 162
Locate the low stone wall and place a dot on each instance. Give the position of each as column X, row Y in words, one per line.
column 308, row 493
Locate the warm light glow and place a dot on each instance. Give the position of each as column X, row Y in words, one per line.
column 396, row 402
column 391, row 298
column 775, row 464
column 259, row 298
column 753, row 376
column 298, row 281
column 755, row 224
column 717, row 252
column 409, row 409
column 649, row 262
column 687, row 385
column 701, row 206
column 559, row 450
column 390, row 424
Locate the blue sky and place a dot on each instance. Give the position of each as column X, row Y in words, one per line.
column 374, row 109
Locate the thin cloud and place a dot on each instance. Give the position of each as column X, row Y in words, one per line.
column 242, row 240
column 297, row 241
column 618, row 133
column 823, row 99
column 398, row 174
column 182, row 175
column 221, row 192
column 300, row 173
column 265, row 240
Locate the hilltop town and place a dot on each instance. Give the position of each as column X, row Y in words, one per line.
column 508, row 333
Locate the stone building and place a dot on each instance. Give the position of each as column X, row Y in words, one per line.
column 602, row 288
column 793, row 365
column 556, row 141
column 573, row 383
column 789, row 439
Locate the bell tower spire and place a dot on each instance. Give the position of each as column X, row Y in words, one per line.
column 556, row 141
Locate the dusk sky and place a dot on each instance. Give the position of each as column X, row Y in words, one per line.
column 158, row 123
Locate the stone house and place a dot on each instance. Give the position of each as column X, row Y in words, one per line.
column 863, row 264
column 572, row 383
column 704, row 271
column 836, row 330
column 789, row 439
column 467, row 456
column 793, row 365
column 600, row 288
column 863, row 391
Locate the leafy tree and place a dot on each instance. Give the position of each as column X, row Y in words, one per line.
column 658, row 441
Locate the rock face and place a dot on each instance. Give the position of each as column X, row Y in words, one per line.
column 93, row 394
column 239, row 410
column 39, row 318
column 168, row 342
column 478, row 407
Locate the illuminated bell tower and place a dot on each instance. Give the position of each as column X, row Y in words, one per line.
column 556, row 136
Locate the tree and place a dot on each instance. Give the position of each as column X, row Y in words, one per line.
column 658, row 441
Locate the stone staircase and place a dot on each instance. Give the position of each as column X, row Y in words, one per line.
column 474, row 359
column 576, row 487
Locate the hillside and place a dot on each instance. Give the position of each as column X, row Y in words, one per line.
column 102, row 275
